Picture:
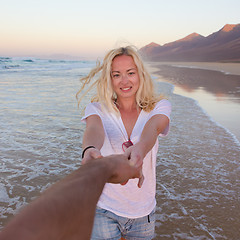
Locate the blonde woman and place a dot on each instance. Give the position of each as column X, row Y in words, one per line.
column 125, row 117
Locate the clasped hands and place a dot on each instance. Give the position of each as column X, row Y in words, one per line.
column 124, row 166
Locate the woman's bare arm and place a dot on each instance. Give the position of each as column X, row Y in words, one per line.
column 93, row 136
column 155, row 125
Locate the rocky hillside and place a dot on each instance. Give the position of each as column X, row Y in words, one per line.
column 223, row 45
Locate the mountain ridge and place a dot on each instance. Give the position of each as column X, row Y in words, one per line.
column 223, row 45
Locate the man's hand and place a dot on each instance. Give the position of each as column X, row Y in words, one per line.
column 121, row 168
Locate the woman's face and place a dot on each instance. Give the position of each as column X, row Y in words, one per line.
column 125, row 78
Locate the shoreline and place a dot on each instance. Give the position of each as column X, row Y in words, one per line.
column 226, row 68
column 217, row 93
column 198, row 163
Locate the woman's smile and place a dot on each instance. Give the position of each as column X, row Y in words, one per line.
column 126, row 89
column 125, row 79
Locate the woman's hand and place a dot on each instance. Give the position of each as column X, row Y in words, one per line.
column 91, row 153
column 136, row 156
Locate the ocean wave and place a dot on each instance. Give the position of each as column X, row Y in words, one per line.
column 10, row 66
column 28, row 60
column 43, row 66
column 5, row 59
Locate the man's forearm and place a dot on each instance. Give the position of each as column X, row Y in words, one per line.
column 65, row 211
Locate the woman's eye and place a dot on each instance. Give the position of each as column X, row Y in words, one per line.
column 131, row 73
column 116, row 75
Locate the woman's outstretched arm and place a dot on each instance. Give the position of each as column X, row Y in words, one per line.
column 155, row 125
column 93, row 136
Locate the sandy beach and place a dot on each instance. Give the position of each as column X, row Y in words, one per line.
column 215, row 86
column 198, row 165
column 228, row 68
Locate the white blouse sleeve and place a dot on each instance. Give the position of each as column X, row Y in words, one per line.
column 162, row 107
column 91, row 109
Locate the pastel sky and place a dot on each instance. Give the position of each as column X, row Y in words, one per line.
column 88, row 28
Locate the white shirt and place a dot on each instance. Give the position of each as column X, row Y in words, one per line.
column 129, row 200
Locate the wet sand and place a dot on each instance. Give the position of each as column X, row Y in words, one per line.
column 198, row 178
column 216, row 92
column 198, row 169
column 228, row 68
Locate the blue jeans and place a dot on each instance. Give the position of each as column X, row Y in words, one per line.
column 108, row 225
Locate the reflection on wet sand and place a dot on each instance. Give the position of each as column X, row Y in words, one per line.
column 198, row 176
column 216, row 92
column 217, row 83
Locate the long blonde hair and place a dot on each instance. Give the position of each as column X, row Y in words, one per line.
column 146, row 98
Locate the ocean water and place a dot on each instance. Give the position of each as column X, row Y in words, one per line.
column 198, row 168
column 41, row 133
